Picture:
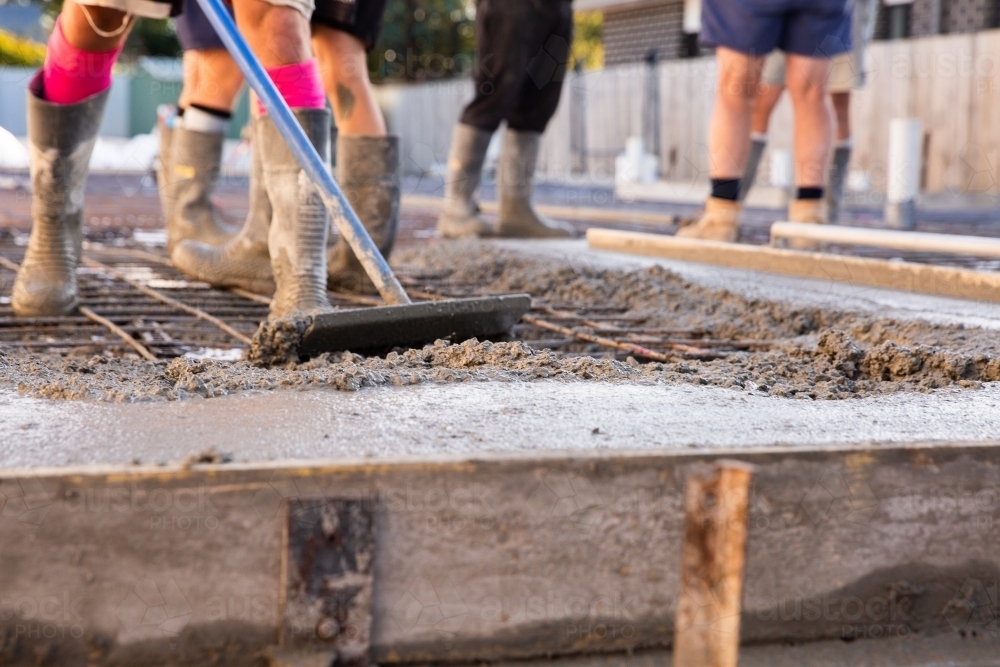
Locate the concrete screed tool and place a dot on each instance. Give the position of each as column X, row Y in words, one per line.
column 401, row 322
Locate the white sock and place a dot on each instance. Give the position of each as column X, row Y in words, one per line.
column 196, row 120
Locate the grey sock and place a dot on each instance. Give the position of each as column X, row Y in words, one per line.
column 838, row 174
column 757, row 146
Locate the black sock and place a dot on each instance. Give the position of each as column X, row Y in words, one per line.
column 180, row 111
column 218, row 113
column 809, row 193
column 726, row 188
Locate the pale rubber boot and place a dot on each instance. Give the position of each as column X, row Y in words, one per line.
column 460, row 213
column 720, row 221
column 243, row 261
column 61, row 139
column 835, row 187
column 195, row 161
column 297, row 236
column 515, row 183
column 162, row 179
column 810, row 212
column 368, row 173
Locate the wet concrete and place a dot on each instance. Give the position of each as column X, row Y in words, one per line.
column 473, row 418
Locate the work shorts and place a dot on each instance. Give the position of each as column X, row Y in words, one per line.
column 362, row 19
column 814, row 28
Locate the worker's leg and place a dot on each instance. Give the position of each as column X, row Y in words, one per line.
column 367, row 158
column 502, row 57
column 279, row 35
column 343, row 65
column 728, row 144
column 808, row 87
column 843, row 78
column 772, row 85
column 527, row 120
column 66, row 101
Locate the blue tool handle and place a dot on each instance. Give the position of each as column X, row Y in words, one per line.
column 333, row 198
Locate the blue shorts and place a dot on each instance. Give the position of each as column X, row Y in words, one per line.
column 193, row 29
column 813, row 28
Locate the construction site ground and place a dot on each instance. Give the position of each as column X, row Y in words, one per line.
column 746, row 359
column 870, row 416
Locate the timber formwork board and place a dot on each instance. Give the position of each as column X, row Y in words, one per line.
column 888, row 274
column 492, row 558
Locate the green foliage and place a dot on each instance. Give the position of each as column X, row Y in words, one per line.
column 588, row 40
column 424, row 40
column 151, row 37
column 20, row 52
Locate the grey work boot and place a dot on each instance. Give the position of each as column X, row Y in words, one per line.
column 368, row 172
column 162, row 178
column 460, row 213
column 757, row 145
column 299, row 222
column 515, row 174
column 61, row 139
column 243, row 261
column 195, row 160
column 835, row 187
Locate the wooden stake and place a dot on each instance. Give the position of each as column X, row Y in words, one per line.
column 707, row 631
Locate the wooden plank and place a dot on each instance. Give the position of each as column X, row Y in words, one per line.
column 905, row 276
column 582, row 213
column 957, row 244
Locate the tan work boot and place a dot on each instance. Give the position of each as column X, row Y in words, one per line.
column 810, row 212
column 299, row 222
column 195, row 159
column 460, row 212
column 368, row 173
column 515, row 183
column 720, row 221
column 243, row 261
column 61, row 138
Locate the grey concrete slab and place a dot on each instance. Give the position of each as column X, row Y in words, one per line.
column 475, row 418
column 819, row 293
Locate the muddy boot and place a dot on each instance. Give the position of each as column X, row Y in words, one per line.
column 460, row 213
column 61, row 139
column 162, row 179
column 515, row 177
column 810, row 212
column 243, row 261
column 299, row 223
column 838, row 175
column 720, row 221
column 368, row 172
column 195, row 160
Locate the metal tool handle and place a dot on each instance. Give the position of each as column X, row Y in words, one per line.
column 333, row 198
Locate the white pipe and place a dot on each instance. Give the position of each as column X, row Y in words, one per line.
column 952, row 244
column 905, row 137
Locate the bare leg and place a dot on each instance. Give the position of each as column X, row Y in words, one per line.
column 278, row 35
column 807, row 84
column 767, row 98
column 211, row 79
column 729, row 130
column 344, row 68
column 842, row 110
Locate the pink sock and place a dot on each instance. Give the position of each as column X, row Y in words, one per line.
column 299, row 84
column 71, row 75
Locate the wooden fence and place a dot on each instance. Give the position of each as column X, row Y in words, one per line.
column 952, row 83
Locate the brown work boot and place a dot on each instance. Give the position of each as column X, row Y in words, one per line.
column 810, row 212
column 460, row 213
column 719, row 222
column 62, row 138
column 515, row 185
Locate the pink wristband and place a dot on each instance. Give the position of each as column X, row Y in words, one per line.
column 71, row 75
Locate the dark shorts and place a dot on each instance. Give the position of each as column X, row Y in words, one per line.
column 362, row 19
column 813, row 28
